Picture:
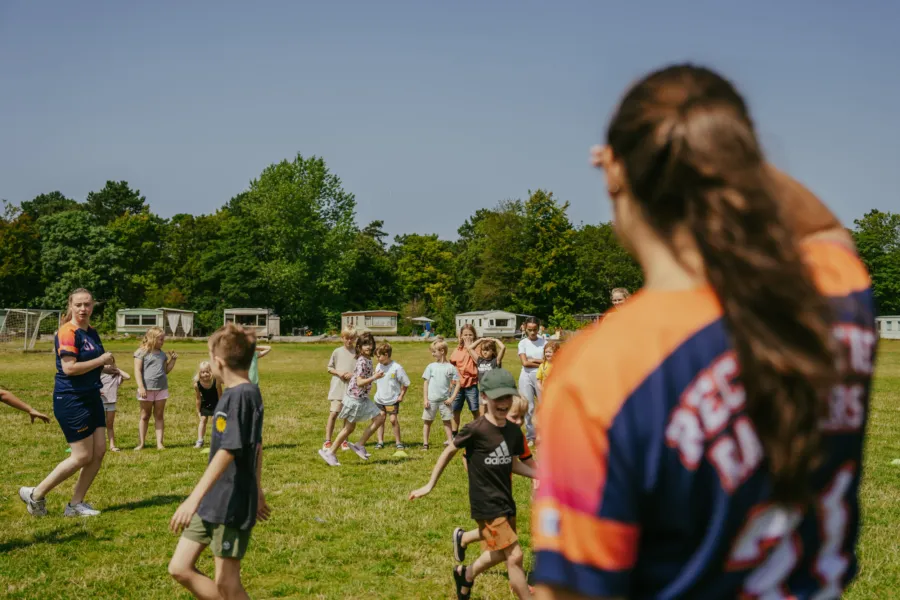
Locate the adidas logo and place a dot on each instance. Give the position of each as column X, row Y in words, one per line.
column 500, row 456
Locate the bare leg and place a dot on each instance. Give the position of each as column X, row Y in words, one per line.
column 426, row 432
column 457, row 417
column 395, row 423
column 183, row 569
column 90, row 470
column 449, row 431
column 82, row 454
column 159, row 414
column 377, row 422
column 329, row 427
column 201, row 428
column 482, row 564
column 517, row 580
column 470, row 537
column 110, row 429
column 228, row 579
column 144, row 423
column 381, row 433
column 342, row 436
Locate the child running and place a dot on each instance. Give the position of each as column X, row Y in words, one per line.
column 260, row 352
column 8, row 398
column 439, row 377
column 390, row 391
column 544, row 370
column 340, row 367
column 228, row 499
column 357, row 406
column 461, row 539
column 111, row 378
column 151, row 369
column 494, row 447
column 207, row 391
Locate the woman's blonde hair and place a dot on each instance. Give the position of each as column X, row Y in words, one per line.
column 204, row 364
column 148, row 344
column 625, row 293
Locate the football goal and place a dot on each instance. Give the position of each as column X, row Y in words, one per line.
column 22, row 328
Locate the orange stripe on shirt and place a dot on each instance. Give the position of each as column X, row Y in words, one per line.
column 583, row 539
column 595, row 375
column 66, row 337
column 837, row 271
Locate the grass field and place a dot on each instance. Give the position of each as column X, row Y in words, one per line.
column 344, row 532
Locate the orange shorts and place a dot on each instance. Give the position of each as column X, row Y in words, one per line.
column 497, row 534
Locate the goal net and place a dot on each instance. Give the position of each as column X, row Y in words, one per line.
column 22, row 328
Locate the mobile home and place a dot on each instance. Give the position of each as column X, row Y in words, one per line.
column 888, row 327
column 376, row 322
column 489, row 323
column 263, row 320
column 173, row 321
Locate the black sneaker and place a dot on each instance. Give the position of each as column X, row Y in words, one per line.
column 379, row 446
column 459, row 551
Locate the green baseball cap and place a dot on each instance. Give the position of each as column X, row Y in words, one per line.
column 497, row 383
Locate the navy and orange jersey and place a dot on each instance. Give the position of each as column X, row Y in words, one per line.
column 653, row 479
column 71, row 340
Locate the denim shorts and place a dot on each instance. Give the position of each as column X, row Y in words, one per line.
column 466, row 395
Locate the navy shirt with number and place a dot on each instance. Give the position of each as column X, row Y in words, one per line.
column 84, row 345
column 237, row 427
column 654, row 483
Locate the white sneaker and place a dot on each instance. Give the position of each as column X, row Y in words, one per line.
column 38, row 508
column 198, row 444
column 82, row 509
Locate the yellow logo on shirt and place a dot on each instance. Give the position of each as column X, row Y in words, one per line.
column 220, row 424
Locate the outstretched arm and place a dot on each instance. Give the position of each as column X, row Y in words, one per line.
column 10, row 399
column 263, row 350
column 524, row 469
column 442, row 462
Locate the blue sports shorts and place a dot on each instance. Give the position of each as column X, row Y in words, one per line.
column 79, row 415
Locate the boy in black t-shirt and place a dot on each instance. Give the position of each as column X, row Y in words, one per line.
column 494, row 447
column 228, row 499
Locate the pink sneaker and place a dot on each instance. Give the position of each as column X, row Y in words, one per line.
column 345, row 446
column 326, row 445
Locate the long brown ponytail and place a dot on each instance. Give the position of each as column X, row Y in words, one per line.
column 692, row 160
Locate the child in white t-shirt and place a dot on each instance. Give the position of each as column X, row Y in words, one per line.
column 390, row 391
column 111, row 378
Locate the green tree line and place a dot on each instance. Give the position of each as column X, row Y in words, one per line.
column 291, row 242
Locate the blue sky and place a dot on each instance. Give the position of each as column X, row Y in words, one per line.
column 427, row 110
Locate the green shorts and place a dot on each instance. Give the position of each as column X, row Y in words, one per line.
column 225, row 542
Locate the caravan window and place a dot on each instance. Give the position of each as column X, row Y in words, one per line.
column 502, row 322
column 379, row 321
column 245, row 320
column 132, row 319
column 890, row 325
column 148, row 320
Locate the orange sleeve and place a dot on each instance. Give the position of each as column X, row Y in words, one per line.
column 66, row 338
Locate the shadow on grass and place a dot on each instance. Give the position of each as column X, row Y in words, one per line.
column 48, row 538
column 146, row 502
column 281, row 446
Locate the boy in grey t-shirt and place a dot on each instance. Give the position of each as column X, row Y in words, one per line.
column 440, row 376
column 340, row 367
column 228, row 499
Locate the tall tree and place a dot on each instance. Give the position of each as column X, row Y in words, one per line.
column 309, row 224
column 425, row 266
column 548, row 282
column 602, row 264
column 877, row 236
column 373, row 279
column 114, row 200
column 48, row 204
column 20, row 259
column 78, row 252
